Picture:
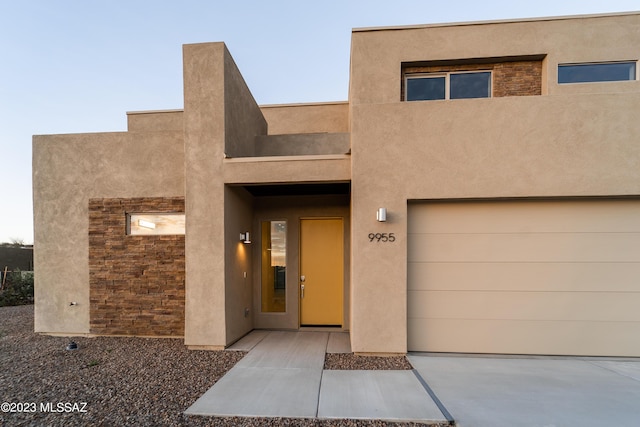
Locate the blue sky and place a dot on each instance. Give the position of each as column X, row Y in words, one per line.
column 79, row 66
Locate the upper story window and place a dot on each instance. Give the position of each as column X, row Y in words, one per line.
column 597, row 72
column 472, row 78
column 449, row 85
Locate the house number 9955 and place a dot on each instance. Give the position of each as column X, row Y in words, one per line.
column 382, row 237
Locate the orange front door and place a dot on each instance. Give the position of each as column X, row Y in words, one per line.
column 321, row 271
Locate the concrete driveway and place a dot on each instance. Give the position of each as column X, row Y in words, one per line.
column 283, row 376
column 549, row 392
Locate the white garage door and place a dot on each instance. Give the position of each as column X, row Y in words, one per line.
column 525, row 277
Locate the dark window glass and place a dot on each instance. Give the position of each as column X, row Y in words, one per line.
column 609, row 72
column 425, row 88
column 470, row 85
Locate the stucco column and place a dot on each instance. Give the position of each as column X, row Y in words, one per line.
column 204, row 191
column 379, row 274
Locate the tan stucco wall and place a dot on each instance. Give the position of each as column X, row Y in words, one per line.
column 567, row 143
column 331, row 117
column 204, row 207
column 243, row 119
column 376, row 55
column 238, row 271
column 68, row 170
column 302, row 144
column 154, row 121
column 331, row 168
column 219, row 116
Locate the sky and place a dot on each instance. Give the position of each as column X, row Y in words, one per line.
column 74, row 66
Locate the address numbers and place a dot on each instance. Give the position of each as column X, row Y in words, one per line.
column 382, row 237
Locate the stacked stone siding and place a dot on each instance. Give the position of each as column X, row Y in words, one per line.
column 513, row 78
column 137, row 283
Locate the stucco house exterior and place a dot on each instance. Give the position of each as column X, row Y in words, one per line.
column 478, row 192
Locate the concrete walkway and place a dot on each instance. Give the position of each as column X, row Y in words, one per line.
column 283, row 376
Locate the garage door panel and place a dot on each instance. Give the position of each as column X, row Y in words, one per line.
column 542, row 306
column 532, row 247
column 618, row 277
column 532, row 277
column 526, row 216
column 525, row 337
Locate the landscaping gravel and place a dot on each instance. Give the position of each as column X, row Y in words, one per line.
column 118, row 381
column 349, row 361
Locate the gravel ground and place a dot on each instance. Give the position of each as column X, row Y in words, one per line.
column 123, row 381
column 352, row 362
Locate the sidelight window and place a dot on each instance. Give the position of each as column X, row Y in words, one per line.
column 274, row 266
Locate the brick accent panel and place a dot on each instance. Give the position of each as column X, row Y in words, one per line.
column 514, row 78
column 136, row 282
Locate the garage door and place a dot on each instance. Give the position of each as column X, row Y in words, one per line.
column 525, row 277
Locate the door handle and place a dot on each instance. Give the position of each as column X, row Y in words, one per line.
column 301, row 291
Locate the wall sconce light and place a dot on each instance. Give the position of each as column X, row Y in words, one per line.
column 381, row 215
column 245, row 237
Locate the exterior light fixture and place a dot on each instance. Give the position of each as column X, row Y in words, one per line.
column 245, row 237
column 381, row 215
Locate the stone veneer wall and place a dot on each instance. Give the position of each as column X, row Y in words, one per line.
column 137, row 283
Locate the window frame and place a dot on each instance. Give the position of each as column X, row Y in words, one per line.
column 573, row 64
column 447, row 83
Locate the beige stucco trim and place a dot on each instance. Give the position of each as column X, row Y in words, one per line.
column 175, row 110
column 281, row 171
column 329, row 117
column 294, row 104
column 155, row 121
column 303, row 104
column 378, row 354
column 206, row 347
column 69, row 335
column 287, row 158
column 489, row 22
